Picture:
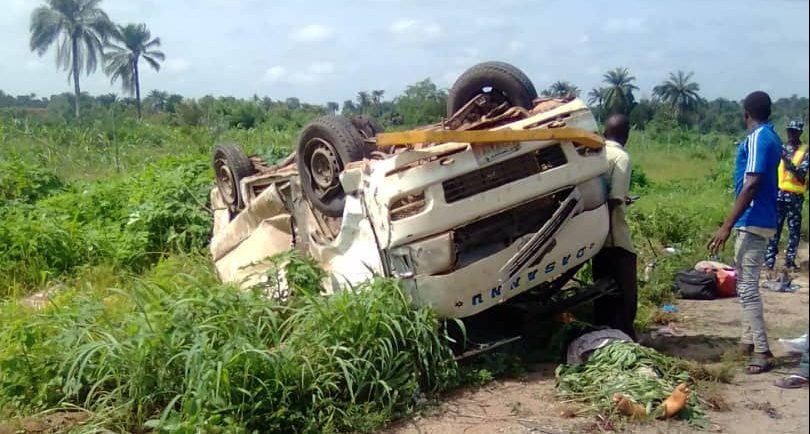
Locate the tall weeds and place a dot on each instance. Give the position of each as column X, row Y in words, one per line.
column 178, row 352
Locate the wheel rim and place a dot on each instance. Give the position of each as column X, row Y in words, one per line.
column 324, row 166
column 225, row 181
column 495, row 97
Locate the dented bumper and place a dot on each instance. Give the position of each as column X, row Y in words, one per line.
column 474, row 288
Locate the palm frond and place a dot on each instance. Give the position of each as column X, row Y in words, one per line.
column 154, row 43
column 45, row 28
column 64, row 53
column 155, row 54
column 152, row 62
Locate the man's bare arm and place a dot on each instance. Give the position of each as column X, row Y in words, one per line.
column 749, row 190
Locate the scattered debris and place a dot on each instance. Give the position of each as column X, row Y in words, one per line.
column 668, row 330
column 795, row 345
column 669, row 308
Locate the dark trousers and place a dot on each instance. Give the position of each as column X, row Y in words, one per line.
column 788, row 208
column 617, row 311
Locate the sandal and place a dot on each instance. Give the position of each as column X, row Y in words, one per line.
column 791, row 382
column 760, row 363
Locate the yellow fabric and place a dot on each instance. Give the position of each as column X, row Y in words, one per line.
column 787, row 181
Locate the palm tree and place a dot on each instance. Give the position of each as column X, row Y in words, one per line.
column 619, row 96
column 563, row 89
column 363, row 101
column 376, row 100
column 679, row 92
column 158, row 99
column 596, row 98
column 122, row 60
column 332, row 107
column 81, row 27
column 349, row 108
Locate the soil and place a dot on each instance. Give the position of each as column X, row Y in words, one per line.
column 707, row 333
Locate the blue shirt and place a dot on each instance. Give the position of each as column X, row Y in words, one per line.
column 759, row 153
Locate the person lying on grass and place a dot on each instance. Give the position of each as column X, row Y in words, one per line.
column 607, row 370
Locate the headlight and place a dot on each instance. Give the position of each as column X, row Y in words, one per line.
column 425, row 257
column 400, row 263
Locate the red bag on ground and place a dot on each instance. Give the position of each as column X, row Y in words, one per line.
column 724, row 275
column 726, row 282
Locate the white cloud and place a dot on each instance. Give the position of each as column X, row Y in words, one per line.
column 312, row 33
column 625, row 25
column 321, row 68
column 315, row 72
column 177, row 64
column 415, row 30
column 403, row 25
column 275, row 73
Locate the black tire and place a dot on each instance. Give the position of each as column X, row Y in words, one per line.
column 328, row 143
column 509, row 81
column 231, row 165
column 367, row 127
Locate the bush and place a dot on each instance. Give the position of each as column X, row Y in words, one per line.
column 182, row 353
column 132, row 221
column 24, row 182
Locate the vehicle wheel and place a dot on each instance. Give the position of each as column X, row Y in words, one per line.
column 367, row 127
column 325, row 146
column 231, row 165
column 502, row 81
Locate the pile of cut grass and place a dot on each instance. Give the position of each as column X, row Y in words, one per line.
column 643, row 374
column 177, row 352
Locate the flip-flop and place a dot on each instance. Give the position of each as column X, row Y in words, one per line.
column 791, row 382
column 759, row 363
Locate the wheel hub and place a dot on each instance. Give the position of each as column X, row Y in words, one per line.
column 324, row 165
column 225, row 181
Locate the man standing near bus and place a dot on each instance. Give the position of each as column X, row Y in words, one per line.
column 753, row 219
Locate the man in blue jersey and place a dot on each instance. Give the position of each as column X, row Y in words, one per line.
column 753, row 218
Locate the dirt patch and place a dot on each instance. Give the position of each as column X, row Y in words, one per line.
column 52, row 423
column 707, row 333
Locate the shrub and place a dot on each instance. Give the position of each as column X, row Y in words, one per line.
column 25, row 182
column 179, row 352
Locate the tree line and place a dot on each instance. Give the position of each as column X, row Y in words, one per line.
column 84, row 35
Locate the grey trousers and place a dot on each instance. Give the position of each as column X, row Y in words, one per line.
column 749, row 256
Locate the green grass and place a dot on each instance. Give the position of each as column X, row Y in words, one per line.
column 142, row 335
column 175, row 350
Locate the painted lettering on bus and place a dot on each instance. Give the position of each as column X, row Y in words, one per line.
column 531, row 275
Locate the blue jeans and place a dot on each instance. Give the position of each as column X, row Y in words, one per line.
column 749, row 256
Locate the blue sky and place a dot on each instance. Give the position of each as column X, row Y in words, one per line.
column 328, row 50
